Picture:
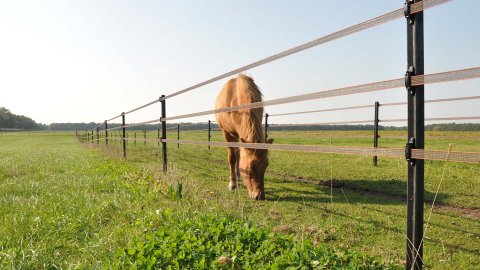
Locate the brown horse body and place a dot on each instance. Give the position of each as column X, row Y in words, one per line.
column 244, row 125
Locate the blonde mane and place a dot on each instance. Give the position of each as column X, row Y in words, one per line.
column 252, row 127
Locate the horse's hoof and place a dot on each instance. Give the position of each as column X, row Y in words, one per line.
column 232, row 187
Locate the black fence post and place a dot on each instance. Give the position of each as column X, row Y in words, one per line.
column 158, row 137
column 123, row 137
column 135, row 138
column 416, row 137
column 144, row 138
column 178, row 135
column 164, row 133
column 209, row 132
column 92, row 137
column 106, row 132
column 266, row 127
column 375, row 132
column 98, row 135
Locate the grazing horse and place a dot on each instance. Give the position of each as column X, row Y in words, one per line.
column 244, row 125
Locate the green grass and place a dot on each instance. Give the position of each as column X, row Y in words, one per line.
column 367, row 213
column 357, row 173
column 65, row 205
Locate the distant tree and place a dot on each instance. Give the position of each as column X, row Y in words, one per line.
column 10, row 120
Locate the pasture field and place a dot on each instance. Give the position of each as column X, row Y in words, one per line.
column 67, row 205
column 366, row 209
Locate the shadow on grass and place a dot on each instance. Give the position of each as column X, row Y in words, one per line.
column 386, row 192
column 318, row 196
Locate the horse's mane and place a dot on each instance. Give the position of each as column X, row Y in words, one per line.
column 252, row 128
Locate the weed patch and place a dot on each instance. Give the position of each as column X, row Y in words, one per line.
column 213, row 242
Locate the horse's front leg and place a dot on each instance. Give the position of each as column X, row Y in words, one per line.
column 237, row 164
column 234, row 171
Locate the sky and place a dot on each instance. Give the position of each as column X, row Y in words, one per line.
column 87, row 61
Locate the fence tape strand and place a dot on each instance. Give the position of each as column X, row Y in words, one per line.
column 396, row 14
column 468, row 157
column 454, row 75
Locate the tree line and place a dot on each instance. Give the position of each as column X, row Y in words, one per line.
column 8, row 120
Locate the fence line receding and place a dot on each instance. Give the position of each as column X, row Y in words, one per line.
column 414, row 82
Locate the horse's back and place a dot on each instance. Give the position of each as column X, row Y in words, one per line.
column 227, row 96
column 238, row 91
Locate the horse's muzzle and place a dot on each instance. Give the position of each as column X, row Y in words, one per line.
column 260, row 197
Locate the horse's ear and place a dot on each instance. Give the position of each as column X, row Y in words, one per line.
column 270, row 141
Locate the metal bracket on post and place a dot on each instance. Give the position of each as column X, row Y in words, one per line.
column 408, row 80
column 408, row 150
column 407, row 11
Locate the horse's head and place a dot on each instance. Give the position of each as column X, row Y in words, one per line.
column 253, row 163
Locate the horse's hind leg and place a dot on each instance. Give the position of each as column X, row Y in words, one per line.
column 233, row 159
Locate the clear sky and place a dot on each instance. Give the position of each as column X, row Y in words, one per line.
column 83, row 61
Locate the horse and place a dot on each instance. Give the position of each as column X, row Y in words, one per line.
column 244, row 125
